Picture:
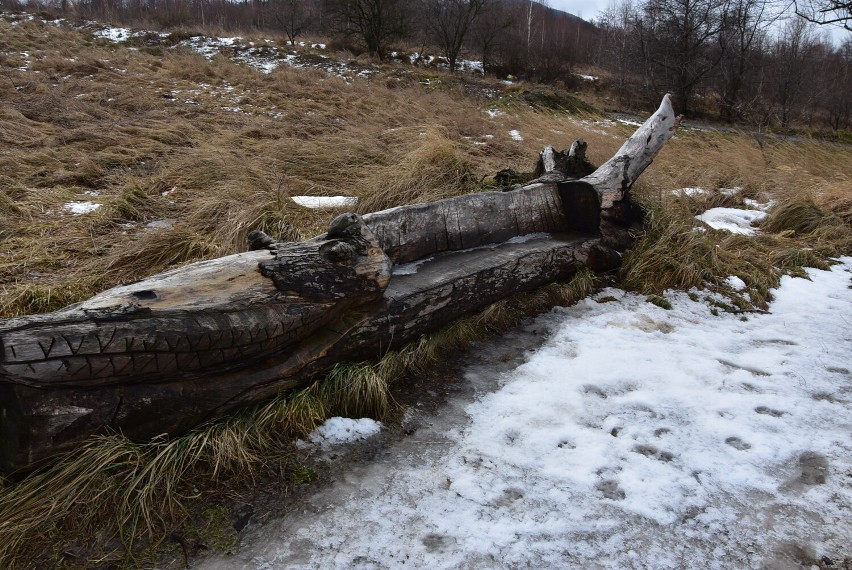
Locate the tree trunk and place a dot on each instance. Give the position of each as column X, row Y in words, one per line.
column 169, row 352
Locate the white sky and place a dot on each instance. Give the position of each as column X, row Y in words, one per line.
column 586, row 9
column 590, row 10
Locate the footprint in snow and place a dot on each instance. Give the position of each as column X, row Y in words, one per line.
column 737, row 443
column 825, row 397
column 749, row 369
column 814, row 468
column 603, row 393
column 775, row 341
column 651, row 451
column 763, row 410
column 437, row 542
column 594, row 391
column 508, row 497
column 611, row 490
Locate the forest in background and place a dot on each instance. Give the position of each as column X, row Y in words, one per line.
column 739, row 61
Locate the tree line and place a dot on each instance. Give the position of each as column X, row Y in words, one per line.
column 750, row 61
column 741, row 60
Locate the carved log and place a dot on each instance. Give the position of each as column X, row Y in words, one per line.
column 613, row 179
column 172, row 351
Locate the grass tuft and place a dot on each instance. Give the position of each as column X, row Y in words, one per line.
column 160, row 249
column 32, row 298
column 355, row 390
column 431, row 169
column 132, row 204
column 115, row 489
column 673, row 254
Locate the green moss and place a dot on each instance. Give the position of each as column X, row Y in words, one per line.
column 214, row 530
column 660, row 302
column 724, row 306
column 302, row 475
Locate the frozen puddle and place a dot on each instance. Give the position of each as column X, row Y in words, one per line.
column 635, row 437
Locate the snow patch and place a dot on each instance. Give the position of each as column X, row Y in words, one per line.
column 735, row 283
column 410, row 268
column 528, row 237
column 320, row 202
column 629, row 122
column 516, row 135
column 112, row 34
column 762, row 206
column 733, row 220
column 337, row 431
column 79, row 208
column 690, row 192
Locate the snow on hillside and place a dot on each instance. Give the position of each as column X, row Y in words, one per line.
column 635, row 437
column 265, row 55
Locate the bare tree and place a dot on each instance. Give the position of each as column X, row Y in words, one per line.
column 491, row 27
column 375, row 22
column 836, row 98
column 450, row 22
column 793, row 70
column 291, row 16
column 825, row 12
column 677, row 36
column 619, row 49
column 741, row 38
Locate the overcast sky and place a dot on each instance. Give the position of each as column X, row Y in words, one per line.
column 590, row 10
column 586, row 9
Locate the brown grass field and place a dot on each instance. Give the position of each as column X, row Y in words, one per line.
column 187, row 155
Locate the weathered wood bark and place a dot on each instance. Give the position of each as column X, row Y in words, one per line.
column 169, row 352
column 613, row 179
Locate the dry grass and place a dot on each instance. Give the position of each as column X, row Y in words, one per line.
column 158, row 138
column 113, row 494
column 808, row 224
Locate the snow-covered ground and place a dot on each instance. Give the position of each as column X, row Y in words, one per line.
column 634, row 437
